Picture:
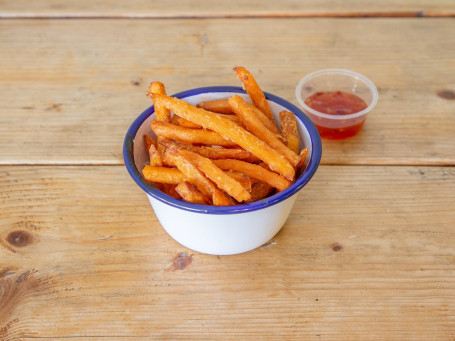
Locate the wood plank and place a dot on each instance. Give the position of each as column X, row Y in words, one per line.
column 367, row 253
column 71, row 88
column 217, row 8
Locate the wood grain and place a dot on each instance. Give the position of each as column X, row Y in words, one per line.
column 71, row 88
column 84, row 257
column 367, row 252
column 218, row 8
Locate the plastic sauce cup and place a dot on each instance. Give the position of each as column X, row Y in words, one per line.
column 337, row 127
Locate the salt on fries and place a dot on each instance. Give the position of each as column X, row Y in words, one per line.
column 222, row 152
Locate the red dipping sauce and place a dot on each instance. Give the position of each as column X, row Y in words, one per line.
column 337, row 103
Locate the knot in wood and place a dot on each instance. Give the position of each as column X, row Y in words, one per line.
column 19, row 238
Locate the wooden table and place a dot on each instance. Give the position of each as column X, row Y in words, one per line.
column 368, row 252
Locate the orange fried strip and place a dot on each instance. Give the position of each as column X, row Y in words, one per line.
column 289, row 130
column 161, row 149
column 154, row 157
column 232, row 118
column 148, row 141
column 260, row 190
column 225, row 153
column 254, row 171
column 189, row 171
column 303, row 155
column 194, row 176
column 220, row 178
column 216, row 153
column 162, row 114
column 170, row 189
column 221, row 199
column 270, row 124
column 189, row 193
column 242, row 178
column 229, row 130
column 253, row 124
column 188, row 135
column 163, row 175
column 177, row 120
column 253, row 90
column 220, row 106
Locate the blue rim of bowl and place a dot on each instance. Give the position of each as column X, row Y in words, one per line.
column 315, row 157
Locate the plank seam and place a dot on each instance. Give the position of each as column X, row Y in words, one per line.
column 348, row 14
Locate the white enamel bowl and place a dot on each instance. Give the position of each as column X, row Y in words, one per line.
column 221, row 230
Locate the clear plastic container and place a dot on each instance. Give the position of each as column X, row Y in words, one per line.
column 330, row 126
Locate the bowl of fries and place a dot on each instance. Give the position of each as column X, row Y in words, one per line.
column 221, row 172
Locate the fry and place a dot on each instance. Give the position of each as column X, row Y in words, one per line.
column 254, row 171
column 167, row 175
column 162, row 114
column 148, row 141
column 188, row 135
column 163, row 175
column 232, row 118
column 177, row 120
column 264, row 165
column 242, row 178
column 253, row 124
column 154, row 160
column 189, row 171
column 189, row 193
column 220, row 106
column 161, row 148
column 154, row 157
column 194, row 176
column 260, row 190
column 220, row 178
column 229, row 130
column 303, row 155
column 221, row 199
column 253, row 90
column 169, row 189
column 289, row 130
column 216, row 153
column 270, row 124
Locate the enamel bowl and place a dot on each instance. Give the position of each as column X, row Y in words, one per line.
column 221, row 230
